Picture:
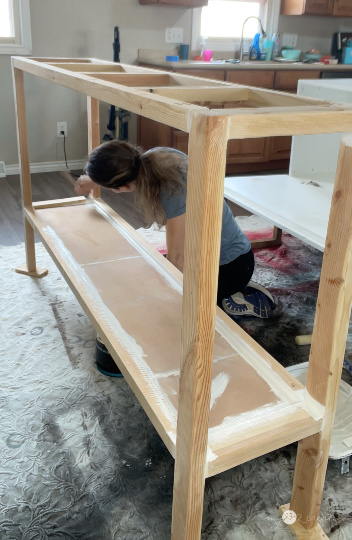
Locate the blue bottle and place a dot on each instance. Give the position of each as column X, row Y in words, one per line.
column 254, row 49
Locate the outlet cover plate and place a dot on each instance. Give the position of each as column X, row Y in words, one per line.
column 173, row 35
column 289, row 40
column 61, row 126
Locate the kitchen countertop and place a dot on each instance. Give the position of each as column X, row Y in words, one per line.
column 245, row 65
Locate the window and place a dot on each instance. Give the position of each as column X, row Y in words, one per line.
column 15, row 29
column 221, row 22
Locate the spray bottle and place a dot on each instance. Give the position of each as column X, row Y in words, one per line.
column 254, row 49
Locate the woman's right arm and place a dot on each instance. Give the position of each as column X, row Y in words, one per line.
column 84, row 185
column 175, row 240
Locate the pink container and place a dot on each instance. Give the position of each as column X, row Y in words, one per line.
column 207, row 55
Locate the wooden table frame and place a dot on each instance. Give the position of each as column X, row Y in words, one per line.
column 303, row 414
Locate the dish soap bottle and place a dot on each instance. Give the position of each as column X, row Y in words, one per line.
column 254, row 49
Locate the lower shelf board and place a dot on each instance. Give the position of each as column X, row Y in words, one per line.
column 133, row 297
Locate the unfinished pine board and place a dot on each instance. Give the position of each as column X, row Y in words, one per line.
column 296, row 205
column 265, row 121
column 216, row 398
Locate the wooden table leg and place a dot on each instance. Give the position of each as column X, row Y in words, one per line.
column 328, row 346
column 30, row 267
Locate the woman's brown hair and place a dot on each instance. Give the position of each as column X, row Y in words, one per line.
column 117, row 163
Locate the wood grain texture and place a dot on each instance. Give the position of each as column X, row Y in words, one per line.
column 93, row 132
column 206, row 170
column 24, row 161
column 328, row 341
column 316, row 533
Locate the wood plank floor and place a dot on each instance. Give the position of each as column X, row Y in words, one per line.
column 46, row 186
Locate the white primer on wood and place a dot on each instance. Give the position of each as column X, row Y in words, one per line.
column 167, row 374
column 174, row 282
column 235, row 425
column 218, row 387
column 211, row 456
column 112, row 260
column 109, row 320
column 312, row 406
column 256, row 361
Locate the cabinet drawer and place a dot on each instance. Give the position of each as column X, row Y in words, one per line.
column 288, row 80
column 262, row 78
column 217, row 74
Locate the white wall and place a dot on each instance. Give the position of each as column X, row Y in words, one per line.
column 314, row 32
column 79, row 28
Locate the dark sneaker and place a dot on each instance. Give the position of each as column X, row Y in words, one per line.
column 254, row 301
column 104, row 361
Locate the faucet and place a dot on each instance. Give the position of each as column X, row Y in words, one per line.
column 235, row 60
column 241, row 42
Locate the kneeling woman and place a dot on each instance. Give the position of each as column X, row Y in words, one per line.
column 159, row 177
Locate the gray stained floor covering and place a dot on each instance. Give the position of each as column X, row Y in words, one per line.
column 79, row 459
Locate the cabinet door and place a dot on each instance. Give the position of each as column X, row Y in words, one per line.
column 280, row 148
column 342, row 8
column 179, row 140
column 152, row 133
column 288, row 80
column 263, row 78
column 216, row 74
column 248, row 150
column 319, row 7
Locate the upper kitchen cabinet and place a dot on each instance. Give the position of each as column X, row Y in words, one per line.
column 180, row 3
column 337, row 8
column 342, row 8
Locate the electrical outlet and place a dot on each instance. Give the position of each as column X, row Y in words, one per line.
column 289, row 40
column 61, row 126
column 173, row 35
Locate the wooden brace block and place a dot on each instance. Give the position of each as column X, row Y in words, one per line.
column 39, row 272
column 316, row 533
column 269, row 242
column 305, row 339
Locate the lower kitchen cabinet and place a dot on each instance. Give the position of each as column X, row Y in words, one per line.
column 287, row 80
column 248, row 155
column 243, row 155
column 262, row 78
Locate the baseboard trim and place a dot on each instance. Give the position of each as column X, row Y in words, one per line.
column 49, row 166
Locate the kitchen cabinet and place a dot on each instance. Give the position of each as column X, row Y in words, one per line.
column 288, row 80
column 248, row 155
column 175, row 3
column 342, row 8
column 218, row 75
column 245, row 155
column 337, row 8
column 262, row 78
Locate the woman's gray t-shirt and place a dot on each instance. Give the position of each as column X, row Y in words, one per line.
column 233, row 241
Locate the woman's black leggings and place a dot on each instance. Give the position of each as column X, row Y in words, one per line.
column 234, row 276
